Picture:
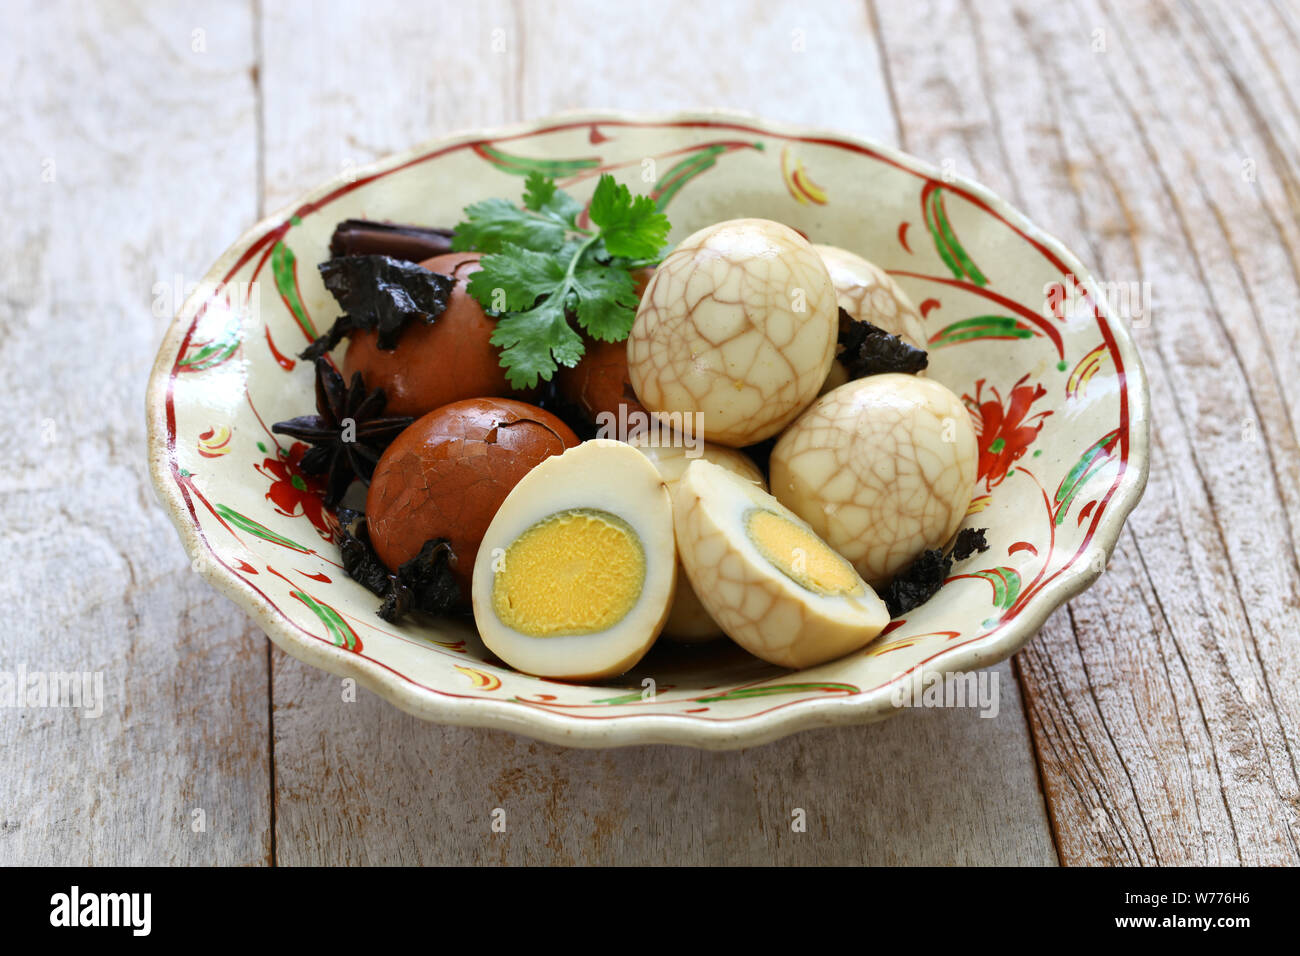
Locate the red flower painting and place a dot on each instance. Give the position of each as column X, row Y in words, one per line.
column 294, row 493
column 1005, row 428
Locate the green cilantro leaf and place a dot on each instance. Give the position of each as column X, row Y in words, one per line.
column 540, row 269
column 538, row 190
column 630, row 225
column 514, row 278
column 493, row 223
column 607, row 300
column 534, row 341
column 542, row 196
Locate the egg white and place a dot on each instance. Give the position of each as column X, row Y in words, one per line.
column 754, row 602
column 600, row 475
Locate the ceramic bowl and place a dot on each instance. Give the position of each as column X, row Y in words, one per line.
column 1016, row 327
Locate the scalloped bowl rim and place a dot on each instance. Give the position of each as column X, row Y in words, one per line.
column 570, row 730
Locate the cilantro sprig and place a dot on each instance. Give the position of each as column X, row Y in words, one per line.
column 540, row 269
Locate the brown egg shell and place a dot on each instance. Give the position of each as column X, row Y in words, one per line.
column 435, row 364
column 600, row 381
column 447, row 474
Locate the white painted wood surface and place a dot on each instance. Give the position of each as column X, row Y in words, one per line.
column 129, row 160
column 1160, row 710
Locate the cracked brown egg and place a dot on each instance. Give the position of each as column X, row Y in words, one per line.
column 739, row 324
column 773, row 586
column 577, row 569
column 434, row 364
column 446, row 475
column 869, row 294
column 598, row 385
column 881, row 468
column 688, row 620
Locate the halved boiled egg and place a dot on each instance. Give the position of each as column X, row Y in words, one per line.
column 577, row 569
column 772, row 585
column 688, row 620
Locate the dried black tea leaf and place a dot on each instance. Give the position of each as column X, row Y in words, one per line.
column 923, row 578
column 359, row 559
column 918, row 583
column 969, row 541
column 549, row 398
column 381, row 293
column 425, row 583
column 867, row 349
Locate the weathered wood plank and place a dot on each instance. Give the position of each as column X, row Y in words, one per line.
column 362, row 783
column 811, row 64
column 1157, row 141
column 129, row 161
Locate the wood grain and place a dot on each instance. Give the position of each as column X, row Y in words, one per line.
column 1163, row 700
column 361, row 783
column 1159, row 140
column 129, row 162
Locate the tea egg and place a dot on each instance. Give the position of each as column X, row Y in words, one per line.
column 577, row 569
column 688, row 621
column 773, row 586
column 882, row 468
column 449, row 471
column 434, row 363
column 738, row 324
column 869, row 294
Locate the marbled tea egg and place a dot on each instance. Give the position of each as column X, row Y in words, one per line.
column 882, row 468
column 869, row 294
column 688, row 620
column 739, row 323
column 772, row 585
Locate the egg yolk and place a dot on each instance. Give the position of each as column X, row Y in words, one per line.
column 799, row 554
column 574, row 572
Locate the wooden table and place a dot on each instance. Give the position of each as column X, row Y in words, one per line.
column 1156, row 719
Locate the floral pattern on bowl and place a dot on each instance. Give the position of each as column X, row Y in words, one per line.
column 1015, row 326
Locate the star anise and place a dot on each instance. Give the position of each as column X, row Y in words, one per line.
column 347, row 434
